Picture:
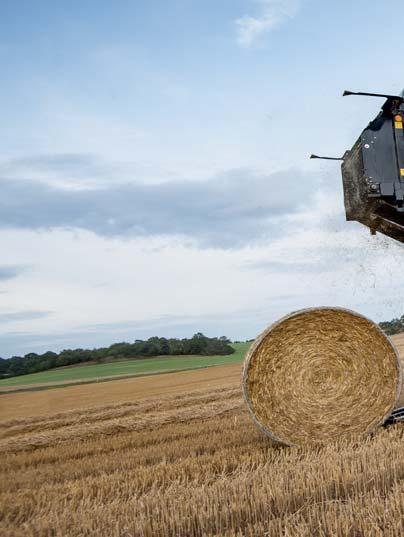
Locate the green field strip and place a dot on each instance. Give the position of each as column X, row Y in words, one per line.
column 128, row 368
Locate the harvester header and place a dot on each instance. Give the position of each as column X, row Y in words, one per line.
column 373, row 170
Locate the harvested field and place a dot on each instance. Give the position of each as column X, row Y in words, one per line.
column 186, row 462
column 89, row 395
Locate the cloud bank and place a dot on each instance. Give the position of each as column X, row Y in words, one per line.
column 227, row 211
column 23, row 316
column 8, row 272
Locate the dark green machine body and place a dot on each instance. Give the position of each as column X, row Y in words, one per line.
column 373, row 173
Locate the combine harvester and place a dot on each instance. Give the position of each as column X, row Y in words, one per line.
column 323, row 373
column 373, row 171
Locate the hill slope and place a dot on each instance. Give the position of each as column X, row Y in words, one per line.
column 87, row 373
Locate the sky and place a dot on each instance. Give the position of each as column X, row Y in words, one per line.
column 154, row 171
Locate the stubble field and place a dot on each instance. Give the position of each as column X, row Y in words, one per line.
column 184, row 460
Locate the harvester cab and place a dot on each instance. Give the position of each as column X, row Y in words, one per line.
column 373, row 171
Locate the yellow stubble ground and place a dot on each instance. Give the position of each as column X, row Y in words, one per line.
column 178, row 456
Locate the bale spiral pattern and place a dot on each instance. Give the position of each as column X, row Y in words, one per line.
column 319, row 374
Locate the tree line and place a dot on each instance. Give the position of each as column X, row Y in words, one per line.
column 395, row 326
column 199, row 345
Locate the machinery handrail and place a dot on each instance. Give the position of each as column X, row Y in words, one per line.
column 397, row 416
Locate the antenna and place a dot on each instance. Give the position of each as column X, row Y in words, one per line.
column 364, row 94
column 327, row 158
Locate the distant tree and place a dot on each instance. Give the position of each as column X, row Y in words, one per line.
column 3, row 367
column 31, row 356
column 176, row 347
column 164, row 346
column 199, row 344
column 395, row 326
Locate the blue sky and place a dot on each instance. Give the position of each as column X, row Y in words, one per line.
column 154, row 170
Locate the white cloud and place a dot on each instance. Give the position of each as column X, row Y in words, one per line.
column 273, row 13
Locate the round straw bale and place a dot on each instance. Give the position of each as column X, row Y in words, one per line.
column 319, row 374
